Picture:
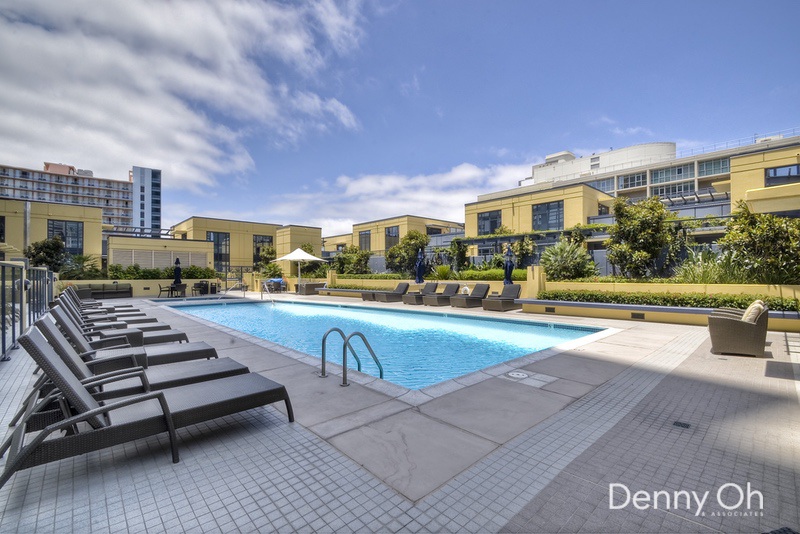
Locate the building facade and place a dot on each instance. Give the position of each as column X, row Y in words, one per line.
column 147, row 198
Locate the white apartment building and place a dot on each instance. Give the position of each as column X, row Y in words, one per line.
column 131, row 204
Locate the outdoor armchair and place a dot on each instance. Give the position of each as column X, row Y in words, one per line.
column 739, row 334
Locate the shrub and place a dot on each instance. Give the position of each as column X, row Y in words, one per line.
column 517, row 275
column 351, row 260
column 567, row 260
column 402, row 258
column 687, row 300
column 372, row 276
column 707, row 267
column 443, row 272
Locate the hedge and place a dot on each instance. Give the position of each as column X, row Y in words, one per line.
column 519, row 275
column 684, row 300
column 385, row 276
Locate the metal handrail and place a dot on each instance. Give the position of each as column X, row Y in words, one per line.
column 347, row 345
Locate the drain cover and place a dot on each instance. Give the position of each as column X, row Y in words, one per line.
column 680, row 424
column 517, row 374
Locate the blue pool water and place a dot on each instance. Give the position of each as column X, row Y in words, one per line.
column 416, row 349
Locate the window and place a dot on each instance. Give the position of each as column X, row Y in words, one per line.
column 489, row 221
column 392, row 236
column 548, row 216
column 666, row 191
column 70, row 232
column 364, row 240
column 259, row 242
column 715, row 166
column 632, row 180
column 222, row 249
column 672, row 174
column 606, row 185
column 782, row 175
column 2, row 229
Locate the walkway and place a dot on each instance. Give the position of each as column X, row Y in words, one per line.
column 490, row 452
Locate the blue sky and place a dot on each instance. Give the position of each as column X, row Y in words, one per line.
column 328, row 113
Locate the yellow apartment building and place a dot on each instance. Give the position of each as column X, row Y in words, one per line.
column 23, row 222
column 151, row 253
column 237, row 244
column 380, row 235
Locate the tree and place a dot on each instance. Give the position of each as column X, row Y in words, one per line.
column 265, row 257
column 567, row 260
column 402, row 257
column 49, row 253
column 458, row 254
column 81, row 267
column 351, row 260
column 645, row 239
column 523, row 249
column 765, row 246
column 314, row 269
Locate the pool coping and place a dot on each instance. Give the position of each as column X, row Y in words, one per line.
column 413, row 397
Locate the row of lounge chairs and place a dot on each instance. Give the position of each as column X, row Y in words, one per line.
column 98, row 389
column 449, row 296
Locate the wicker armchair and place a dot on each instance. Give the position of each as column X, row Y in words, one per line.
column 730, row 334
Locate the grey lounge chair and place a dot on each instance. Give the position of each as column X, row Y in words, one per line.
column 157, row 377
column 734, row 334
column 72, row 294
column 473, row 300
column 145, row 324
column 505, row 301
column 441, row 299
column 401, row 290
column 134, row 336
column 97, row 314
column 415, row 298
column 130, row 418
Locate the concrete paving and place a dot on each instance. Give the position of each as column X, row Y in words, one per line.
column 531, row 445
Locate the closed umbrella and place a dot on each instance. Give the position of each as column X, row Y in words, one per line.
column 419, row 267
column 508, row 266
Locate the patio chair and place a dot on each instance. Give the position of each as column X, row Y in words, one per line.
column 178, row 290
column 473, row 300
column 504, row 301
column 164, row 289
column 133, row 336
column 441, row 299
column 94, row 426
column 397, row 293
column 744, row 334
column 157, row 377
column 415, row 298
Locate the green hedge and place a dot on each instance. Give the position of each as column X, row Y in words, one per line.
column 386, row 276
column 519, row 275
column 685, row 300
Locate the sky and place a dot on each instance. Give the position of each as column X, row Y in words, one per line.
column 328, row 113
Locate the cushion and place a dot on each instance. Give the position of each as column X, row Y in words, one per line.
column 752, row 313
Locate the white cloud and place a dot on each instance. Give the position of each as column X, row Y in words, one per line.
column 632, row 130
column 336, row 206
column 108, row 85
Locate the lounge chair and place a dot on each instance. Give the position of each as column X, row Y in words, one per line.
column 415, row 298
column 739, row 334
column 130, row 418
column 441, row 299
column 111, row 321
column 134, row 336
column 505, row 301
column 473, row 300
column 386, row 296
column 157, row 377
column 71, row 294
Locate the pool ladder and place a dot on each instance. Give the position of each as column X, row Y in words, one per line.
column 347, row 345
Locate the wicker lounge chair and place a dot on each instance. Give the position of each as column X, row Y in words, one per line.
column 144, row 323
column 739, row 334
column 415, row 298
column 90, row 304
column 134, row 336
column 505, row 301
column 95, row 426
column 473, row 300
column 157, row 377
column 441, row 299
column 400, row 290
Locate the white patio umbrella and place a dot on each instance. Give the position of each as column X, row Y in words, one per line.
column 299, row 255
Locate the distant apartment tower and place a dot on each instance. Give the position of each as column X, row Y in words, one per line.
column 147, row 194
column 132, row 204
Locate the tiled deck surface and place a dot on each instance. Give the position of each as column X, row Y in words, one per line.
column 486, row 453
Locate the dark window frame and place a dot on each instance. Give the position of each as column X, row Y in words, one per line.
column 489, row 221
column 543, row 221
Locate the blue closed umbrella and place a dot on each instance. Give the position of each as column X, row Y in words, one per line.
column 508, row 266
column 419, row 268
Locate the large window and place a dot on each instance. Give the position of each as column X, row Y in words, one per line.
column 222, row 250
column 606, row 185
column 489, row 221
column 666, row 191
column 70, row 232
column 392, row 236
column 672, row 174
column 782, row 175
column 715, row 166
column 548, row 216
column 259, row 242
column 632, row 180
column 365, row 240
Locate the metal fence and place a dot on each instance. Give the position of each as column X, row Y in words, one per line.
column 26, row 295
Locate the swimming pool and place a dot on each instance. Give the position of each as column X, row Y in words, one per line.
column 416, row 349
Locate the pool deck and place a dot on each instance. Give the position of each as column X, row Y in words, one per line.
column 489, row 452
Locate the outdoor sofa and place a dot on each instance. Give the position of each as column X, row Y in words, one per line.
column 104, row 291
